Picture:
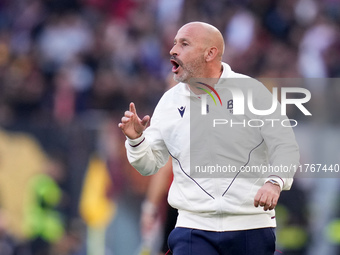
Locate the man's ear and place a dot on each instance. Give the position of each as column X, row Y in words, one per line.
column 211, row 53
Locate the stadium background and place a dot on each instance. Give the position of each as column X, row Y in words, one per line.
column 69, row 68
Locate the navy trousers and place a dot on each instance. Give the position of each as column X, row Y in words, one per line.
column 186, row 241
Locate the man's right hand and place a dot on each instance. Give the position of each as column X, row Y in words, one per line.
column 131, row 125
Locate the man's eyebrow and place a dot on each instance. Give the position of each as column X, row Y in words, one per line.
column 182, row 40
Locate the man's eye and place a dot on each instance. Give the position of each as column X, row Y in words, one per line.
column 185, row 44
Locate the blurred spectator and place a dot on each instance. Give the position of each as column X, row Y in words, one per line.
column 314, row 44
column 44, row 220
column 62, row 38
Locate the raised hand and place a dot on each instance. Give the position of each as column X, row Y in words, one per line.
column 131, row 125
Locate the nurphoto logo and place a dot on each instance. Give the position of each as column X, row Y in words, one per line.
column 242, row 101
column 238, row 101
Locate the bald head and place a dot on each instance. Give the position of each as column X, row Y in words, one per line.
column 197, row 52
column 209, row 35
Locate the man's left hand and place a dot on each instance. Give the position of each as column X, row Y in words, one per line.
column 267, row 196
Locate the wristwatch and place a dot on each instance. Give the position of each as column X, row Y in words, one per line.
column 273, row 182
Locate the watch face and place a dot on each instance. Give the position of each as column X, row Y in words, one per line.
column 274, row 182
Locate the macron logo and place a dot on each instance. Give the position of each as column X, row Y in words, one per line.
column 181, row 110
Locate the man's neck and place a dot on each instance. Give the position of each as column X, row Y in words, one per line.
column 200, row 85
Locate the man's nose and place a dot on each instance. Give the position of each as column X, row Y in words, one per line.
column 174, row 51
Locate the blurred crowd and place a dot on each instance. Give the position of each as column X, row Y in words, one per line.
column 60, row 58
column 69, row 68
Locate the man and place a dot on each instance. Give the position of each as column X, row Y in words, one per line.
column 216, row 215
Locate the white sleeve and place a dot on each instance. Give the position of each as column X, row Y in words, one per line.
column 148, row 153
column 283, row 150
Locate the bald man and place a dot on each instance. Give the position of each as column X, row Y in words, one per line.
column 233, row 213
column 197, row 52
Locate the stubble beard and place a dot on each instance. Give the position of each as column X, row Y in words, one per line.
column 194, row 69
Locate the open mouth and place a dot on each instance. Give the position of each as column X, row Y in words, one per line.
column 175, row 65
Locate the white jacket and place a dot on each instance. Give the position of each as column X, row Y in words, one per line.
column 211, row 201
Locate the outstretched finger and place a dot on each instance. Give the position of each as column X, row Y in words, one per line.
column 132, row 108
